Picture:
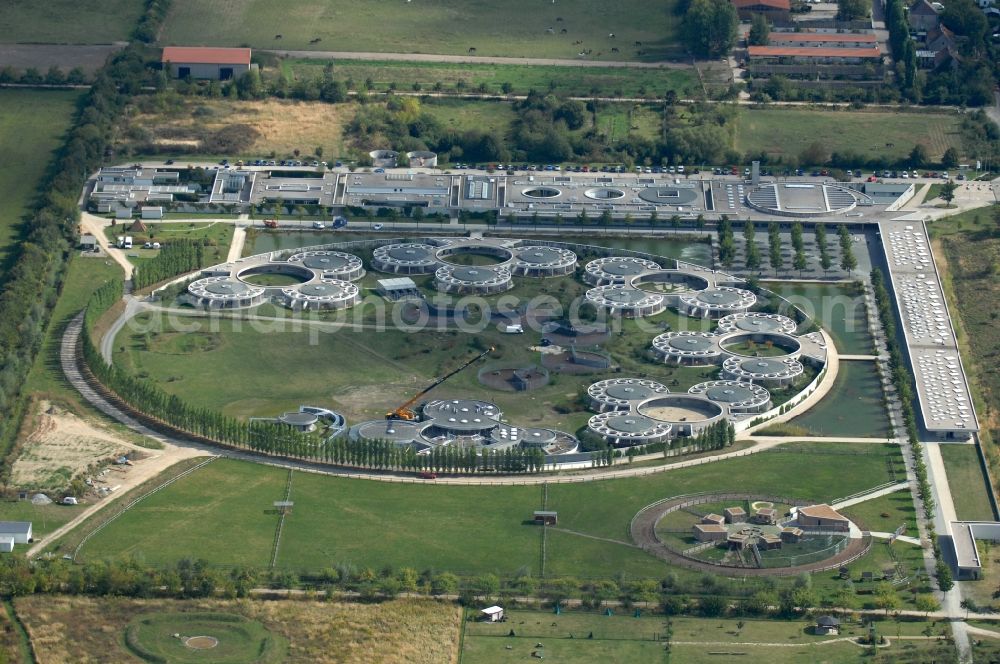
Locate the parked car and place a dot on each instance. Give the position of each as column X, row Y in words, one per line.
column 377, row 227
column 318, row 225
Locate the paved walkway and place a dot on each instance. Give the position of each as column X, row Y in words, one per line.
column 901, row 538
column 860, row 358
column 871, row 496
column 239, row 239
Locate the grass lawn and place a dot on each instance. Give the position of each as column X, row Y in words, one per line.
column 886, row 513
column 854, row 407
column 464, row 114
column 517, row 28
column 44, row 518
column 787, row 132
column 965, row 477
column 32, row 124
column 68, row 22
column 574, row 81
column 376, row 523
column 595, row 637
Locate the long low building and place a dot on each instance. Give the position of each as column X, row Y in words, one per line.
column 856, row 60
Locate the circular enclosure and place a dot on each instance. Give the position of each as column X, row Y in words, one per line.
column 275, row 274
column 621, row 393
column 738, row 396
column 324, row 294
column 542, row 261
column 542, row 192
column 331, row 264
column 474, row 255
column 406, row 258
column 224, row 293
column 670, row 282
column 671, row 195
column 190, row 637
column 514, row 379
column 760, row 344
column 756, row 321
column 604, row 193
column 692, row 348
column 767, row 370
column 626, row 301
column 472, row 280
column 675, row 408
column 624, row 430
column 716, row 302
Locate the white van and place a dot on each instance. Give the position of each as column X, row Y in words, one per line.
column 128, row 242
column 120, row 242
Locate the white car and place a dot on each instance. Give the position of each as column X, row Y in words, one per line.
column 377, row 227
column 318, row 225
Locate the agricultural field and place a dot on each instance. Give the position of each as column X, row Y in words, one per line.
column 91, row 630
column 785, row 133
column 623, row 637
column 468, row 77
column 68, row 22
column 518, row 28
column 32, row 123
column 378, row 523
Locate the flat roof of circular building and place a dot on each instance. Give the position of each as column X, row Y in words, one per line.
column 631, row 392
column 228, row 287
column 801, row 199
column 693, row 343
column 730, row 393
column 326, row 262
column 397, row 431
column 539, row 255
column 717, row 297
column 537, row 435
column 411, row 252
column 625, row 296
column 632, row 424
column 325, row 289
column 671, row 195
column 458, row 409
column 764, row 365
column 754, row 321
column 474, row 274
column 627, row 267
column 298, row 419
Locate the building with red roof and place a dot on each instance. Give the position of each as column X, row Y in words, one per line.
column 220, row 64
column 776, row 10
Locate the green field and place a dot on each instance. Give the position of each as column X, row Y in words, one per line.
column 853, row 408
column 44, row 518
column 575, row 81
column 32, row 124
column 517, row 28
column 871, row 514
column 378, row 523
column 68, row 22
column 787, row 132
column 968, row 485
column 576, row 636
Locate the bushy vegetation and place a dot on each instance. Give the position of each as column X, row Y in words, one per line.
column 175, row 258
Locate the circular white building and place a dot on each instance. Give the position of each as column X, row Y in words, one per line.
column 687, row 348
column 616, row 270
column 406, row 258
column 331, row 264
column 755, row 321
column 716, row 302
column 628, row 429
column 322, row 294
column 626, row 301
column 738, row 396
column 622, row 393
column 225, row 292
column 469, row 280
column 773, row 372
column 541, row 261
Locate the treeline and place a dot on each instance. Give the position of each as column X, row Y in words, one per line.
column 903, row 381
column 706, row 595
column 176, row 257
column 53, row 76
column 386, row 455
column 31, row 286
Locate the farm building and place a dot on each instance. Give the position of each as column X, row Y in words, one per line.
column 88, row 242
column 546, row 518
column 826, row 625
column 822, row 516
column 776, row 10
column 14, row 532
column 716, row 519
column 492, row 614
column 221, row 64
column 709, row 532
column 735, row 515
column 398, row 288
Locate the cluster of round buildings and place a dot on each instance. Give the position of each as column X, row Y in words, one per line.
column 464, row 424
column 307, row 280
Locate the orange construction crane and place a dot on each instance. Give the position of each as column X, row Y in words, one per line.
column 405, row 413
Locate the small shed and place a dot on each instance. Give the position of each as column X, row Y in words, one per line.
column 398, row 288
column 827, row 625
column 123, row 213
column 765, row 516
column 151, row 212
column 20, row 531
column 6, row 544
column 492, row 614
column 735, row 515
column 88, row 242
column 546, row 518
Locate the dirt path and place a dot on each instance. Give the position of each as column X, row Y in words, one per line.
column 95, row 226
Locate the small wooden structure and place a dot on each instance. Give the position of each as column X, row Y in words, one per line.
column 546, row 518
column 826, row 625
